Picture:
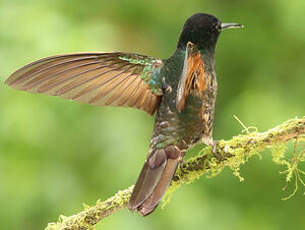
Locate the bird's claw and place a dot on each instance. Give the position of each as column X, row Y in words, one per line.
column 181, row 166
column 181, row 162
column 214, row 150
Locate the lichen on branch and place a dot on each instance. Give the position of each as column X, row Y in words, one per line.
column 230, row 153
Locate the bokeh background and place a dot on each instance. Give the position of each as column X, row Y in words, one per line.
column 56, row 155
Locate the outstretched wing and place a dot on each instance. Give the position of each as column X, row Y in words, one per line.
column 193, row 78
column 117, row 79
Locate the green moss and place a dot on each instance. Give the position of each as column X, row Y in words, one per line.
column 233, row 153
column 238, row 151
column 278, row 155
column 293, row 171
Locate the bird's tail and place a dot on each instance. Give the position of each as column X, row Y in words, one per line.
column 155, row 177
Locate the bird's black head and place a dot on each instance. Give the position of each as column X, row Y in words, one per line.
column 203, row 30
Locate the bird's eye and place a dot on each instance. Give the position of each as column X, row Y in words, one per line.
column 218, row 26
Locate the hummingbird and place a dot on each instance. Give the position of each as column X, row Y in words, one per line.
column 180, row 91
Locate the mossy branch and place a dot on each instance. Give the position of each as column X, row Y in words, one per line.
column 231, row 153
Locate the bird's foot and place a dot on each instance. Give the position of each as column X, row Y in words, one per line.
column 214, row 151
column 209, row 141
column 181, row 162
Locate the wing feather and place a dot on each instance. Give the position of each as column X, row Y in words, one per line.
column 116, row 98
column 118, row 79
column 51, row 80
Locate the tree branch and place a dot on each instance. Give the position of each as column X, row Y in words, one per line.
column 232, row 153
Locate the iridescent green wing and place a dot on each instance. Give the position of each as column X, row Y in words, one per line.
column 117, row 79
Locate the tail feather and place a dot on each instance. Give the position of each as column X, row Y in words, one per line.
column 154, row 179
column 152, row 202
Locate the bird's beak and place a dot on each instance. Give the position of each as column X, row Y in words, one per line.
column 225, row 26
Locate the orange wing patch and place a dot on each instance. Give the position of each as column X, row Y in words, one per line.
column 193, row 78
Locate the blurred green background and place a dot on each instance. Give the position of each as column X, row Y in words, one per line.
column 56, row 155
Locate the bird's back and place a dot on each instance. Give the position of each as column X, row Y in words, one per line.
column 186, row 127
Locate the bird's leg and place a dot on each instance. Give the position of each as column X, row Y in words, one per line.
column 214, row 150
column 181, row 161
column 213, row 143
